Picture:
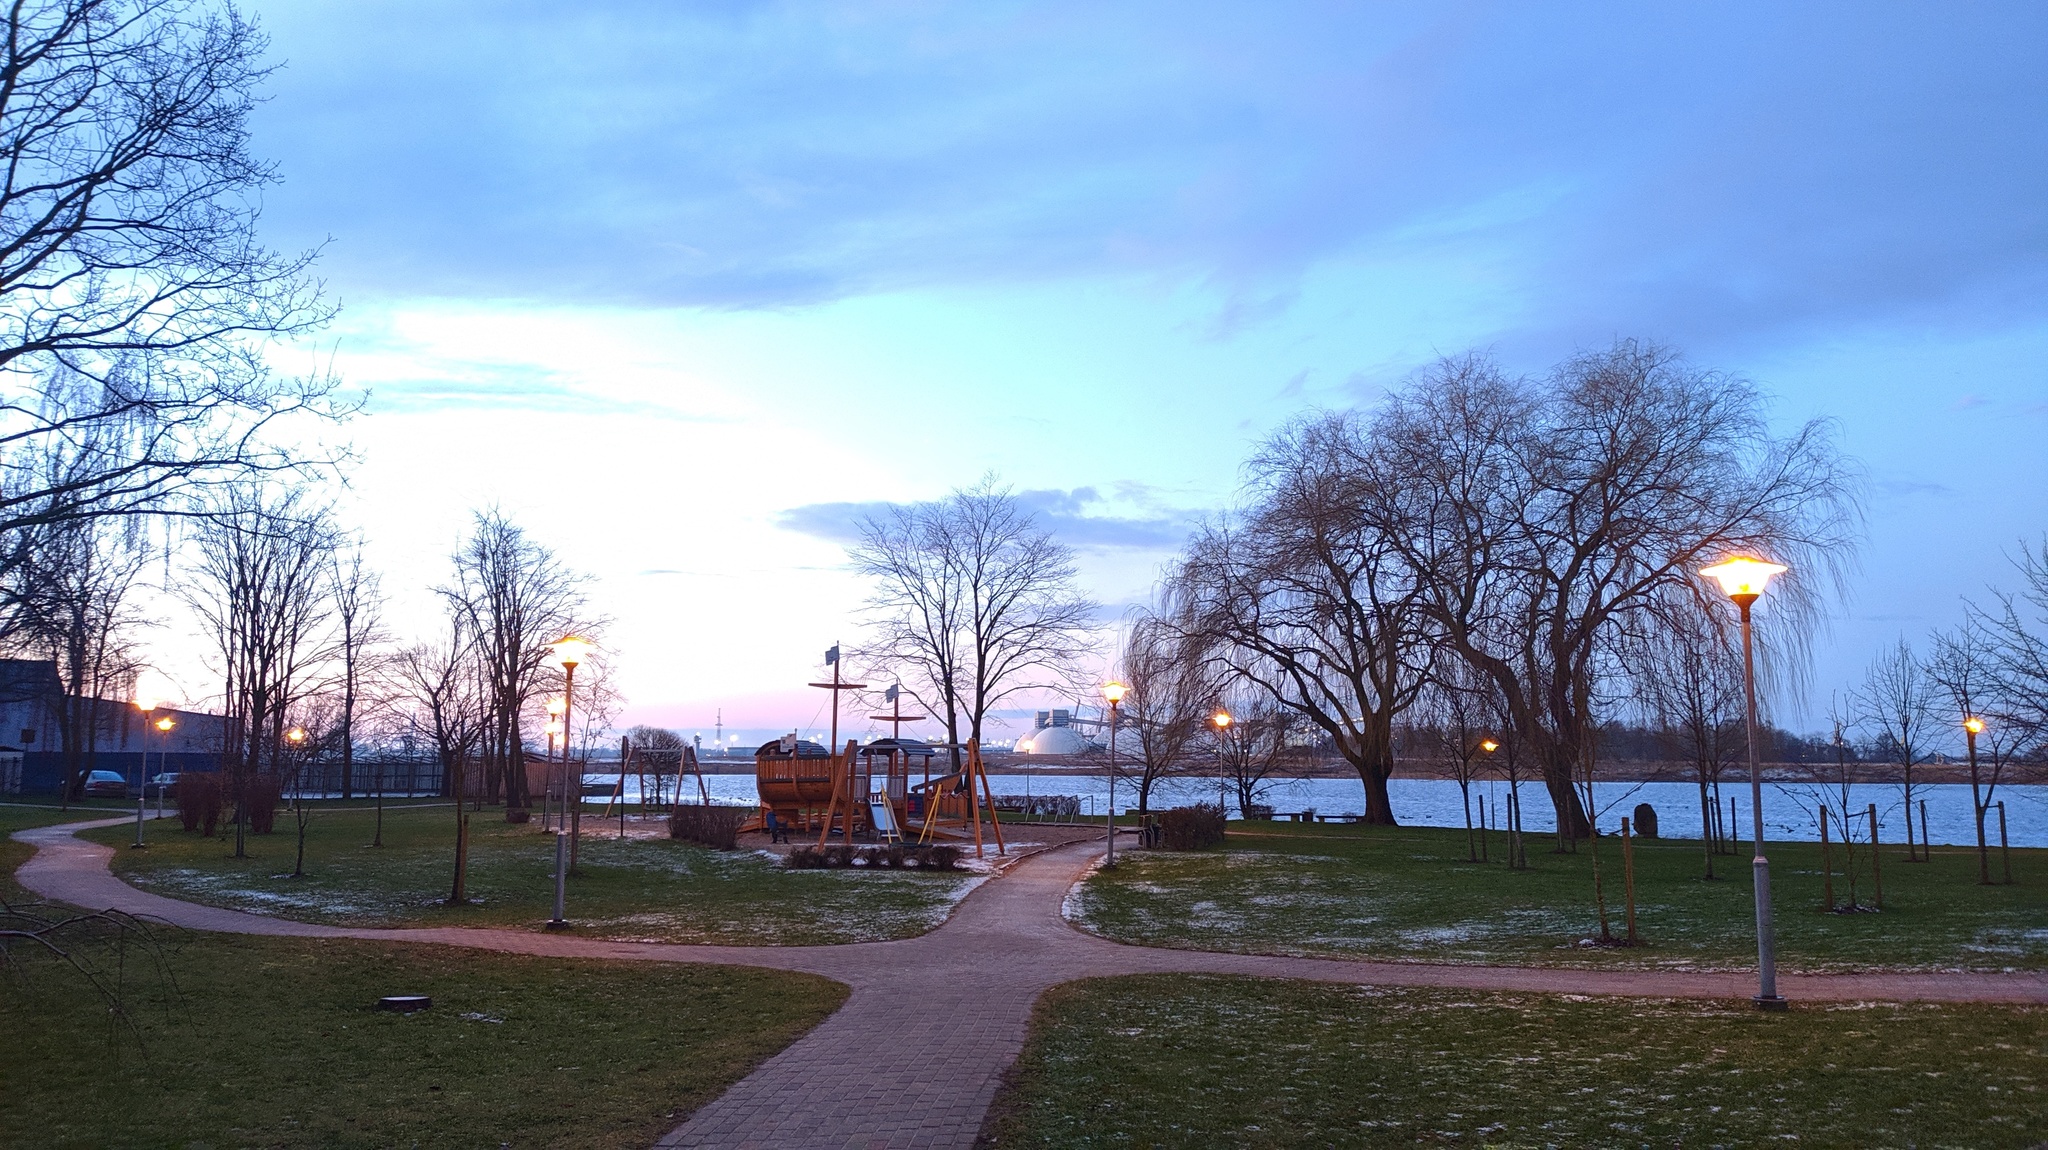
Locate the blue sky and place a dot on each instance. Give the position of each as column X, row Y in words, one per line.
column 679, row 285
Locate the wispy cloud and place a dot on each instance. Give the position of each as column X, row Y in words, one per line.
column 1081, row 517
column 1676, row 172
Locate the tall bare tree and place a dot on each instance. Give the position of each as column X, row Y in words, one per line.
column 1171, row 692
column 1896, row 705
column 1547, row 521
column 515, row 598
column 1309, row 599
column 134, row 293
column 258, row 585
column 359, row 637
column 973, row 601
column 75, row 606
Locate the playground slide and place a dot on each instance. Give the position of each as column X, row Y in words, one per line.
column 884, row 817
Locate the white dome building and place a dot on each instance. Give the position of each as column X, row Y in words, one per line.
column 1054, row 741
column 1054, row 734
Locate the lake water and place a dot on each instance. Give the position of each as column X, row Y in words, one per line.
column 1788, row 807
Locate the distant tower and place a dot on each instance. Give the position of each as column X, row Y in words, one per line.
column 720, row 732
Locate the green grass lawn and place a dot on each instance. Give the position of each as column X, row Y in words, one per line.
column 1407, row 893
column 274, row 1042
column 1173, row 1061
column 643, row 889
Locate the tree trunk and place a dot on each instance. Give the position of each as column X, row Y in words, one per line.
column 1379, row 809
column 1572, row 823
column 1706, row 822
column 459, row 893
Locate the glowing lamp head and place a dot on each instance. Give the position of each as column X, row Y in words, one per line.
column 296, row 735
column 1741, row 578
column 166, row 723
column 571, row 650
column 1222, row 720
column 1974, row 725
column 556, row 706
column 552, row 729
column 1488, row 745
column 1114, row 692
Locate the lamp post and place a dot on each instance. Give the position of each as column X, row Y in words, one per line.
column 1113, row 692
column 553, row 728
column 1489, row 746
column 297, row 738
column 1972, row 727
column 148, row 708
column 1221, row 720
column 570, row 651
column 556, row 706
column 1744, row 580
column 163, row 725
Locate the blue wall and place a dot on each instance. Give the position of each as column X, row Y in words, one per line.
column 42, row 772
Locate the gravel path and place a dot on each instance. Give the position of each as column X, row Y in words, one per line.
column 914, row 1057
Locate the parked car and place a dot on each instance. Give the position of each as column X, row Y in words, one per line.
column 164, row 785
column 106, row 785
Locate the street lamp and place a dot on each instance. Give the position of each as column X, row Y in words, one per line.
column 553, row 728
column 147, row 706
column 1221, row 720
column 1744, row 581
column 570, row 652
column 1972, row 727
column 164, row 725
column 1113, row 692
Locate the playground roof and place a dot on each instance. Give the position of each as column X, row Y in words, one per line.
column 906, row 746
column 805, row 749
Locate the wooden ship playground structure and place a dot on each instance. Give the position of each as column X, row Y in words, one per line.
column 867, row 792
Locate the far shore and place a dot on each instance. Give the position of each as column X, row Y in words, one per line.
column 1620, row 772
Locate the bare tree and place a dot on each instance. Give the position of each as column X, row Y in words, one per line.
column 134, row 293
column 2013, row 629
column 1547, row 521
column 258, row 586
column 1691, row 681
column 359, row 636
column 1254, row 744
column 1839, row 790
column 1310, row 600
column 74, row 604
column 973, row 601
column 1895, row 705
column 1966, row 669
column 1456, row 713
column 450, row 710
column 1171, row 692
column 516, row 598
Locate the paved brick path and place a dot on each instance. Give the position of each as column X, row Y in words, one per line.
column 914, row 1057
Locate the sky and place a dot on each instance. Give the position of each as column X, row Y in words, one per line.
column 680, row 288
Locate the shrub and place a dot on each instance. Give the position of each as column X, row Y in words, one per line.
column 261, row 795
column 199, row 801
column 1191, row 828
column 938, row 856
column 891, row 855
column 712, row 826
